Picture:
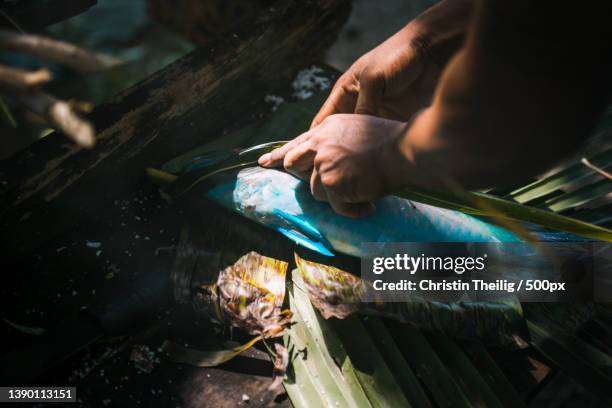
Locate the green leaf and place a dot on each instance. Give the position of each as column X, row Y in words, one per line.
column 319, row 360
column 204, row 358
column 584, row 363
column 377, row 380
column 492, row 374
column 571, row 174
column 480, row 204
column 468, row 377
column 598, row 216
column 34, row 331
column 430, row 369
column 6, row 113
column 581, row 196
column 394, row 359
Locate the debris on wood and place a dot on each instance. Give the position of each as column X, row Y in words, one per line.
column 308, row 81
column 275, row 100
column 281, row 362
column 143, row 358
column 248, row 295
column 93, row 244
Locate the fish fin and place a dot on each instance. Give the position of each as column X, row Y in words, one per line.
column 304, row 227
column 303, row 240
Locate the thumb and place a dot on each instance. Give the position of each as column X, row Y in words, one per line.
column 371, row 89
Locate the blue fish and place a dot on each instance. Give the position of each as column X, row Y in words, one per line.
column 281, row 201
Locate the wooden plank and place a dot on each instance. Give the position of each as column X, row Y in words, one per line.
column 204, row 21
column 51, row 186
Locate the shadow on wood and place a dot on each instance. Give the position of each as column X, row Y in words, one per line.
column 54, row 185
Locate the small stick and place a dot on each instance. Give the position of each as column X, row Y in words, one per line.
column 57, row 51
column 22, row 79
column 593, row 167
column 11, row 21
column 60, row 116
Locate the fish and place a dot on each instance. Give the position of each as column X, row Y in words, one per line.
column 283, row 202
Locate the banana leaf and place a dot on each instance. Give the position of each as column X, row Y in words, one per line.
column 325, row 373
column 365, row 362
column 339, row 294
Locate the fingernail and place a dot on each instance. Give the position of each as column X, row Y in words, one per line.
column 263, row 160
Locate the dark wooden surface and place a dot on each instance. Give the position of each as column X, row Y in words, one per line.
column 37, row 14
column 51, row 186
column 80, row 229
column 204, row 21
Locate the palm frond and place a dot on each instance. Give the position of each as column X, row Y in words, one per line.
column 475, row 203
column 365, row 361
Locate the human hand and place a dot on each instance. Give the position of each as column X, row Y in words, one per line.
column 397, row 78
column 350, row 160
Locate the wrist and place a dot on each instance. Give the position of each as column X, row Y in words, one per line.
column 412, row 146
column 398, row 169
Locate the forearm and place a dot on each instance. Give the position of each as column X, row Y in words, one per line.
column 441, row 30
column 499, row 118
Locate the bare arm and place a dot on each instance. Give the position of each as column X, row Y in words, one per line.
column 525, row 91
column 397, row 78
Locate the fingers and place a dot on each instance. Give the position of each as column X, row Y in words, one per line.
column 299, row 160
column 276, row 157
column 352, row 210
column 340, row 100
column 316, row 187
column 350, row 95
column 370, row 94
column 339, row 204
